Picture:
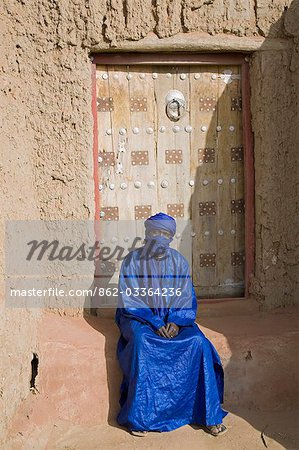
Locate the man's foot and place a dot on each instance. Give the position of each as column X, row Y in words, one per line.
column 216, row 430
column 138, row 433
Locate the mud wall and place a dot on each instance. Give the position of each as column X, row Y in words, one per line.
column 46, row 127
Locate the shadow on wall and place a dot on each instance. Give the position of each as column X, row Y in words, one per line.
column 260, row 354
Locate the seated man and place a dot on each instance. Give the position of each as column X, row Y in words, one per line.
column 172, row 374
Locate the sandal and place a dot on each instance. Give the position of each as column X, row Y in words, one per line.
column 216, row 430
column 138, row 433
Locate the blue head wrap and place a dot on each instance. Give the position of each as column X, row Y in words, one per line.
column 160, row 221
column 158, row 244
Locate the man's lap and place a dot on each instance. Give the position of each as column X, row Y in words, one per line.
column 134, row 329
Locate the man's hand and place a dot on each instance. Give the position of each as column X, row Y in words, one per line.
column 163, row 332
column 172, row 329
column 169, row 331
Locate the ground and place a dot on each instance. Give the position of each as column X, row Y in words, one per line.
column 240, row 436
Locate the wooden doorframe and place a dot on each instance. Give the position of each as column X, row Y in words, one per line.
column 194, row 58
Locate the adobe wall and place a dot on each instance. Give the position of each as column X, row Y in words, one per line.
column 46, row 124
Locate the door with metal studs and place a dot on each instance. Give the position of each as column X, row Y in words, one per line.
column 170, row 140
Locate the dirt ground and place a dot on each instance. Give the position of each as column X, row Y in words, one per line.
column 283, row 427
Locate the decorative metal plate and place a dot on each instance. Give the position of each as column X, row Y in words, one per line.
column 138, row 104
column 206, row 155
column 236, row 104
column 237, row 258
column 236, row 154
column 108, row 159
column 237, row 206
column 105, row 104
column 173, row 156
column 175, row 209
column 207, row 259
column 139, row 158
column 107, row 267
column 142, row 211
column 207, row 208
column 111, row 213
column 207, row 103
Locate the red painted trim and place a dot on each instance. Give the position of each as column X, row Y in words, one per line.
column 248, row 177
column 95, row 147
column 187, row 58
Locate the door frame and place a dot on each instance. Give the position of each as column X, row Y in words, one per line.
column 180, row 58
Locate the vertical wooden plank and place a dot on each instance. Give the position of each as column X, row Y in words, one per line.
column 231, row 172
column 239, row 189
column 248, row 176
column 203, row 89
column 163, row 82
column 106, row 173
column 180, row 173
column 143, row 139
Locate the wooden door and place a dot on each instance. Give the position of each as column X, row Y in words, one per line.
column 191, row 169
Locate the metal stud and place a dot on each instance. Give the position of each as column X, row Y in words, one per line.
column 101, row 187
column 137, row 184
column 123, row 186
column 100, row 159
column 203, row 128
column 178, row 235
column 233, row 231
column 149, row 130
column 176, row 129
column 151, row 184
column 191, row 182
column 155, row 75
column 129, row 76
column 214, row 76
column 102, row 214
column 113, row 240
column 220, row 232
column 164, row 183
column 220, row 180
column 168, row 75
column 205, row 182
column 188, row 128
column 111, row 186
column 102, row 241
column 193, row 234
column 142, row 76
column 126, row 239
column 109, row 131
column 162, row 129
column 135, row 130
column 105, row 76
column 197, row 76
column 183, row 76
column 218, row 128
column 122, row 131
column 115, row 76
column 231, row 128
column 206, row 233
column 232, row 180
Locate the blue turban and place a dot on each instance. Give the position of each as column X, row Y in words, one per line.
column 162, row 222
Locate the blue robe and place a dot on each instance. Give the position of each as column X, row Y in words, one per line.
column 167, row 383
